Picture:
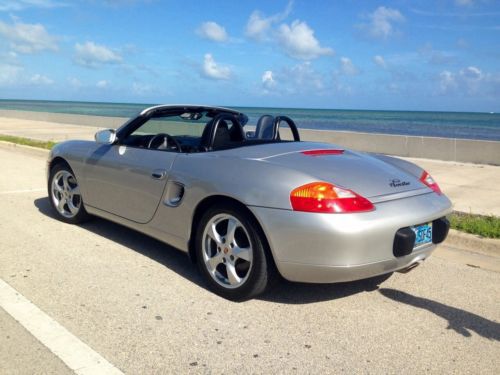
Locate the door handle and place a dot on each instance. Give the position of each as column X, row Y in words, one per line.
column 159, row 174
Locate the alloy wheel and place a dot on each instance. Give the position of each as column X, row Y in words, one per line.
column 66, row 194
column 227, row 251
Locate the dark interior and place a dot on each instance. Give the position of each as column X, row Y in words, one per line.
column 222, row 131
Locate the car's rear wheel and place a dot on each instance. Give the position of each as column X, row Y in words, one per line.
column 65, row 195
column 230, row 253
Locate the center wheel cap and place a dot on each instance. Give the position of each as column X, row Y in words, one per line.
column 226, row 250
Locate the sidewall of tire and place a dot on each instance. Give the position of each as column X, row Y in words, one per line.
column 259, row 273
column 82, row 214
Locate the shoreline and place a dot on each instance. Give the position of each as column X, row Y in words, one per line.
column 472, row 187
column 438, row 148
column 145, row 105
column 460, row 125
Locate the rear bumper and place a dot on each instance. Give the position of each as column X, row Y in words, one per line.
column 325, row 248
column 311, row 273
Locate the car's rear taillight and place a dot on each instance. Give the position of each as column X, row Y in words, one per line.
column 427, row 179
column 328, row 198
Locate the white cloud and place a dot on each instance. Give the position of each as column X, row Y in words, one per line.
column 347, row 67
column 92, row 55
column 296, row 39
column 435, row 57
column 305, row 77
column 447, row 81
column 12, row 75
column 268, row 81
column 17, row 5
column 469, row 80
column 382, row 20
column 471, row 73
column 298, row 79
column 28, row 38
column 472, row 78
column 102, row 84
column 9, row 57
column 379, row 60
column 9, row 74
column 299, row 42
column 258, row 26
column 211, row 69
column 212, row 31
column 40, row 80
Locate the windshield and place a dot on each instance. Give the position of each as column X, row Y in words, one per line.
column 182, row 124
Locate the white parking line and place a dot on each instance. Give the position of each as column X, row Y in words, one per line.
column 22, row 191
column 77, row 355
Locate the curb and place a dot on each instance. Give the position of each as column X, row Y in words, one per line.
column 459, row 240
column 473, row 243
column 27, row 149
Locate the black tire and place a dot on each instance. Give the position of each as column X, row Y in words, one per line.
column 258, row 275
column 77, row 213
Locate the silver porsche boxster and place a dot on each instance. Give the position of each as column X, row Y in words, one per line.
column 249, row 203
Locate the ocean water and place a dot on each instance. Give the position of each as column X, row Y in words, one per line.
column 466, row 125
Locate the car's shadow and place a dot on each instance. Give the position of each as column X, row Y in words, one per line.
column 283, row 291
column 462, row 322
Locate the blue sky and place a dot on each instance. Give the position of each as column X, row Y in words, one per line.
column 402, row 55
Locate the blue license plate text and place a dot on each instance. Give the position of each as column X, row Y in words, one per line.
column 423, row 234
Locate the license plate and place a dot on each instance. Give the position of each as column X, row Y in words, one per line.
column 423, row 234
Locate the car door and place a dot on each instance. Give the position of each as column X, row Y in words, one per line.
column 127, row 181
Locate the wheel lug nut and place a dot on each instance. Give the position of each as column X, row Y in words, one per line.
column 223, row 260
column 232, row 257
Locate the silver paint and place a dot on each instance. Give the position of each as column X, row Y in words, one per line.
column 117, row 183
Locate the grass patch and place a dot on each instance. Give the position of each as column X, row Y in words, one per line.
column 486, row 226
column 27, row 141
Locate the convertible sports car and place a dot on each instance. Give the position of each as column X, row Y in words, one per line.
column 248, row 204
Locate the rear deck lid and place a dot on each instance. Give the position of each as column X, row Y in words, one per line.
column 362, row 173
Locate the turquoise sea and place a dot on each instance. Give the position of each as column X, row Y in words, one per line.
column 467, row 125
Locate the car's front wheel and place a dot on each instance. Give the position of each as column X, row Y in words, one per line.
column 65, row 195
column 231, row 255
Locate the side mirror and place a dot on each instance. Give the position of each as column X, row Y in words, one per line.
column 105, row 137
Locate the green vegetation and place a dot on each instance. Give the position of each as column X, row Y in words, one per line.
column 486, row 226
column 28, row 142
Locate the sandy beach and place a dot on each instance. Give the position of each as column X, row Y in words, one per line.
column 45, row 131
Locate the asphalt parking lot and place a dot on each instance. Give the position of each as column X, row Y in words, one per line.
column 142, row 306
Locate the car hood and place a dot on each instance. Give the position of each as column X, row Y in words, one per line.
column 363, row 173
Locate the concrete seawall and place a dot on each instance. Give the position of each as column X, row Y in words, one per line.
column 450, row 149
